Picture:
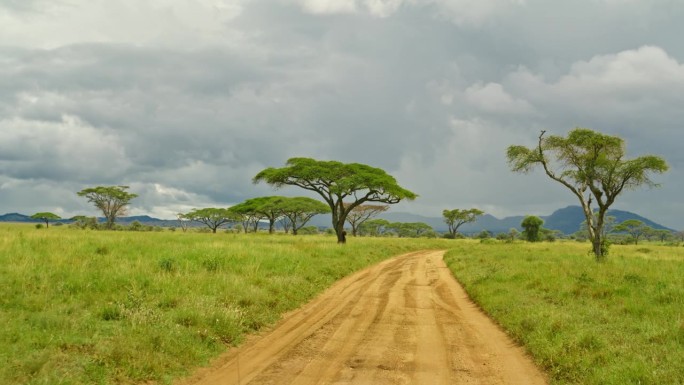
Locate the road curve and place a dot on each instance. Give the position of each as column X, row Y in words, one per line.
column 403, row 321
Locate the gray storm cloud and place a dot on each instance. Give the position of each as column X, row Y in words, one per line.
column 187, row 101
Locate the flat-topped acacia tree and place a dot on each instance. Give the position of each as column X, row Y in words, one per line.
column 211, row 217
column 593, row 166
column 457, row 217
column 46, row 217
column 337, row 182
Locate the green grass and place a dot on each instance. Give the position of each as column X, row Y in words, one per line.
column 88, row 307
column 618, row 322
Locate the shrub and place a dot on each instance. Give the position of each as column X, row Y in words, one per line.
column 39, row 226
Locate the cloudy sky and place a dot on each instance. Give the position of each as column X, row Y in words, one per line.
column 186, row 100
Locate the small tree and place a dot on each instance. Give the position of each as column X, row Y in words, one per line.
column 662, row 234
column 374, row 227
column 46, row 217
column 213, row 218
column 593, row 167
column 457, row 217
column 635, row 228
column 183, row 221
column 299, row 210
column 269, row 208
column 247, row 215
column 410, row 229
column 111, row 200
column 337, row 182
column 361, row 213
column 532, row 227
column 513, row 234
column 84, row 222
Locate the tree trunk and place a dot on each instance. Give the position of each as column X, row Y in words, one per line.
column 341, row 234
column 271, row 222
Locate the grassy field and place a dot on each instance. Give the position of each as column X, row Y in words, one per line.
column 618, row 322
column 88, row 307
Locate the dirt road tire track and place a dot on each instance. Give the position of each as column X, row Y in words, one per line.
column 403, row 321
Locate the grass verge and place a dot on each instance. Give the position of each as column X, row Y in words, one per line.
column 619, row 322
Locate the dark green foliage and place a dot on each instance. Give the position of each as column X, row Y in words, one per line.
column 46, row 216
column 213, row 218
column 532, row 228
column 337, row 182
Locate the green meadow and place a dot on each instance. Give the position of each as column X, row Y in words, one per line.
column 101, row 307
column 618, row 322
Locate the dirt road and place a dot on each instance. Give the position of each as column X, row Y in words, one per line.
column 403, row 321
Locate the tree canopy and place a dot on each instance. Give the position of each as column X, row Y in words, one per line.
column 593, row 167
column 532, row 226
column 212, row 217
column 269, row 208
column 111, row 200
column 457, row 217
column 337, row 182
column 299, row 210
column 46, row 217
column 361, row 213
column 635, row 228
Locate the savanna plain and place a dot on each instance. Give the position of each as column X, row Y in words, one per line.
column 105, row 307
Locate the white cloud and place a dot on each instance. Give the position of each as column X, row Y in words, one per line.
column 186, row 22
column 327, row 7
column 492, row 98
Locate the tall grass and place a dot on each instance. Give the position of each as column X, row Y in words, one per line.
column 619, row 322
column 87, row 307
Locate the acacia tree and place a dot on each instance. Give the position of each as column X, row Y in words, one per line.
column 337, row 182
column 593, row 167
column 46, row 217
column 532, row 227
column 183, row 221
column 248, row 216
column 213, row 218
column 410, row 229
column 635, row 228
column 111, row 200
column 374, row 227
column 300, row 210
column 361, row 213
column 457, row 217
column 662, row 235
column 269, row 208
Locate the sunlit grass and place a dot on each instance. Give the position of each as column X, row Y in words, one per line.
column 89, row 307
column 618, row 322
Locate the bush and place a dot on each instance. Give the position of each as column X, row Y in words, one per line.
column 308, row 230
column 135, row 226
column 39, row 226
